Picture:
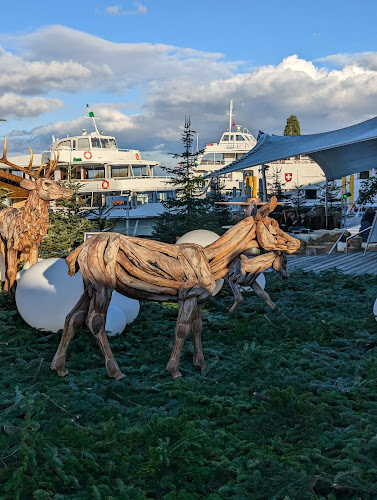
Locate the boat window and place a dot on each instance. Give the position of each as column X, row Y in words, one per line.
column 74, row 144
column 96, row 143
column 207, row 158
column 226, row 137
column 64, row 145
column 119, row 171
column 364, row 174
column 17, row 172
column 232, row 137
column 311, row 194
column 139, row 170
column 240, row 137
column 164, row 195
column 219, row 158
column 93, row 172
column 109, row 143
column 143, row 198
column 83, row 143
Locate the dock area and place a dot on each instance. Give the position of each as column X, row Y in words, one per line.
column 349, row 263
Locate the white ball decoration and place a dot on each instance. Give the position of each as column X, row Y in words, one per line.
column 375, row 309
column 25, row 268
column 45, row 294
column 115, row 321
column 130, row 307
column 203, row 238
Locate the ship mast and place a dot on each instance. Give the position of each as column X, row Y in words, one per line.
column 230, row 115
column 91, row 115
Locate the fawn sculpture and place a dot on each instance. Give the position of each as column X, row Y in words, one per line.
column 150, row 270
column 22, row 229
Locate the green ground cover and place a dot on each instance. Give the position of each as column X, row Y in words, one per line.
column 287, row 408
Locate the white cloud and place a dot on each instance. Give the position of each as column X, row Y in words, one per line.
column 173, row 82
column 116, row 10
column 12, row 105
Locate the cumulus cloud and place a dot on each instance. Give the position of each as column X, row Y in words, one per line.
column 12, row 105
column 116, row 10
column 172, row 82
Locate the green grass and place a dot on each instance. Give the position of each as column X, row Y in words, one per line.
column 286, row 409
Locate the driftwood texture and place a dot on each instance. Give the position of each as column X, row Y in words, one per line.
column 186, row 274
column 22, row 229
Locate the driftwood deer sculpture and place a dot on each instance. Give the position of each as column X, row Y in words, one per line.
column 22, row 229
column 150, row 270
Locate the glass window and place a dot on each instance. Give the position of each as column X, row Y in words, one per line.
column 83, row 143
column 96, row 143
column 94, row 173
column 219, row 158
column 108, row 143
column 140, row 171
column 240, row 137
column 226, row 137
column 17, row 172
column 231, row 137
column 311, row 194
column 64, row 145
column 207, row 158
column 119, row 171
column 364, row 174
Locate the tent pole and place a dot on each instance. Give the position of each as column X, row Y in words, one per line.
column 326, row 208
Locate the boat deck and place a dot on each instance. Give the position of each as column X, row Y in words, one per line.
column 349, row 263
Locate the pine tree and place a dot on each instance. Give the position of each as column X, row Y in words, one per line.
column 275, row 184
column 368, row 191
column 293, row 126
column 190, row 209
column 68, row 223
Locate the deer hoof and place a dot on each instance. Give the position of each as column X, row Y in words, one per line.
column 172, row 367
column 113, row 370
column 58, row 365
column 198, row 360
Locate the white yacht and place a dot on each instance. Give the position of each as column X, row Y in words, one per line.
column 109, row 176
column 296, row 172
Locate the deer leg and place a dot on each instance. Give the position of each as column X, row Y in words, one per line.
column 11, row 272
column 72, row 322
column 97, row 323
column 186, row 311
column 196, row 332
column 262, row 294
column 238, row 298
column 33, row 256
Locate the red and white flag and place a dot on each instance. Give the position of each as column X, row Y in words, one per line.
column 288, row 177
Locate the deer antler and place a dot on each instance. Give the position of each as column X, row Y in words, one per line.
column 28, row 170
column 34, row 173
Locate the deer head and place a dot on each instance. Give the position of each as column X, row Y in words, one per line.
column 40, row 178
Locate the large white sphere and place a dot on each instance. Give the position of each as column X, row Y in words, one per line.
column 130, row 307
column 115, row 321
column 25, row 268
column 45, row 294
column 203, row 238
column 375, row 309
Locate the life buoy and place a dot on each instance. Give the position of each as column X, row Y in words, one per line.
column 137, row 156
column 88, row 155
column 105, row 184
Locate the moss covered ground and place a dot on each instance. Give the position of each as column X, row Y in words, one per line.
column 286, row 409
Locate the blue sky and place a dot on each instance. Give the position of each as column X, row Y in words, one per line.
column 144, row 65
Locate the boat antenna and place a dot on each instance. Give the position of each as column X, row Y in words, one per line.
column 231, row 116
column 91, row 115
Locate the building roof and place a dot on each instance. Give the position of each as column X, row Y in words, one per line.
column 339, row 152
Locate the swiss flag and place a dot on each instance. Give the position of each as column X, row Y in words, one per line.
column 234, row 123
column 288, row 177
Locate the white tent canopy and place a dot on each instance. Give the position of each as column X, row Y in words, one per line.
column 339, row 152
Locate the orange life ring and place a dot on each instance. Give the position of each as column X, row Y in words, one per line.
column 88, row 155
column 105, row 184
column 137, row 156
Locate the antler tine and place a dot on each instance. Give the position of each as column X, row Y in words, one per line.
column 17, row 167
column 39, row 170
column 53, row 163
column 30, row 167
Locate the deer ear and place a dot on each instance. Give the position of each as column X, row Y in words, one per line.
column 267, row 208
column 28, row 184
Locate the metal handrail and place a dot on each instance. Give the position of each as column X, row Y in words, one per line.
column 356, row 234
